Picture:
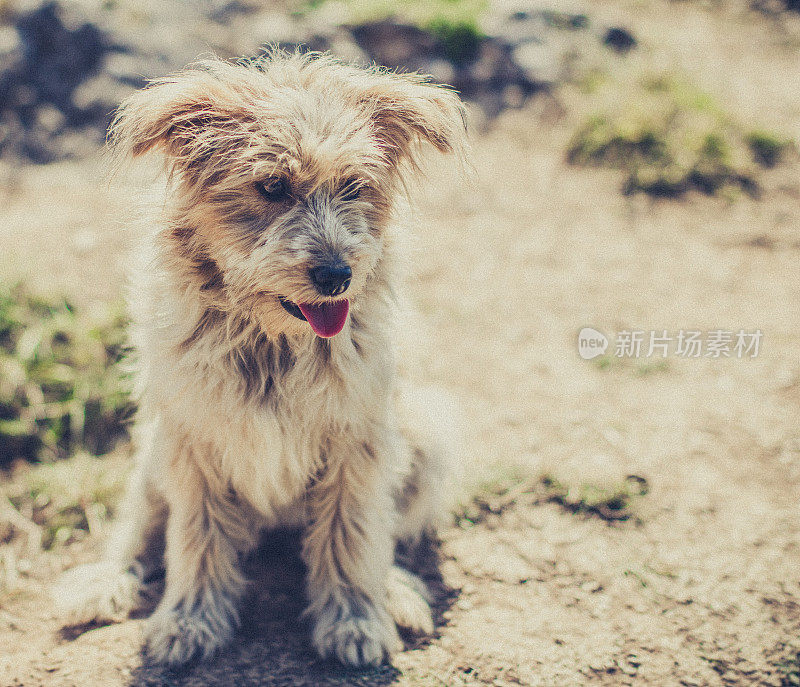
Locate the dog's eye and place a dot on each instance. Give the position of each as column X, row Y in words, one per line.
column 275, row 189
column 351, row 190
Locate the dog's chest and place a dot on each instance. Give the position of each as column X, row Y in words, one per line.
column 276, row 441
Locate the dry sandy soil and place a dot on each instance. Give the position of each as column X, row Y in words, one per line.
column 702, row 586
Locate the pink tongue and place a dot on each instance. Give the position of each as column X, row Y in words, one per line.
column 326, row 319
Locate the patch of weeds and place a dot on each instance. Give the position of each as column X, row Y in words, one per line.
column 610, row 362
column 565, row 21
column 767, row 148
column 491, row 494
column 607, row 362
column 670, row 137
column 460, row 39
column 455, row 23
column 67, row 499
column 60, row 389
column 641, row 579
column 652, row 367
column 591, row 80
column 611, row 502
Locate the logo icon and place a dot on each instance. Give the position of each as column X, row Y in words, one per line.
column 591, row 343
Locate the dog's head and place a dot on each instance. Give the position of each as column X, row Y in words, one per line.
column 285, row 170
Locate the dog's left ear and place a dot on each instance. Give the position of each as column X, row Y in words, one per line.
column 408, row 110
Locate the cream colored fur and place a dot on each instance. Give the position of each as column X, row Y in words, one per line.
column 248, row 420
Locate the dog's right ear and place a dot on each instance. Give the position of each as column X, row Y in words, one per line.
column 175, row 116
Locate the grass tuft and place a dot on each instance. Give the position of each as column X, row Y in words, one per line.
column 60, row 388
column 460, row 38
column 68, row 499
column 670, row 138
column 767, row 148
column 608, row 499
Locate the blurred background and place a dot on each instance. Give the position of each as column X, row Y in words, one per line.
column 628, row 519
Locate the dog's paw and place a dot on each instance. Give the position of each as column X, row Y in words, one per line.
column 408, row 601
column 361, row 638
column 175, row 637
column 98, row 592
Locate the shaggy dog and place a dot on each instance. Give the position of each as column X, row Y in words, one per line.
column 265, row 321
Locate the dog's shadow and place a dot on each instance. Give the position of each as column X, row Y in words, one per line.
column 273, row 646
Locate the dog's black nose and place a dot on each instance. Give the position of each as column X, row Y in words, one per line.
column 331, row 280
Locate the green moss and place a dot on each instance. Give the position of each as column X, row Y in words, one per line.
column 602, row 141
column 652, row 367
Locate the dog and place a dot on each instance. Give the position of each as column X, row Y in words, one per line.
column 265, row 318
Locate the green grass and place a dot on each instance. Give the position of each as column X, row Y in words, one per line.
column 60, row 387
column 46, row 506
column 610, row 500
column 491, row 492
column 640, row 367
column 67, row 499
column 460, row 38
column 767, row 148
column 455, row 23
column 670, row 137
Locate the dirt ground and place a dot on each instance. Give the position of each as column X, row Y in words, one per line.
column 702, row 587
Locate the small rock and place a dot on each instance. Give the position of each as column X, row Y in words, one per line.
column 619, row 39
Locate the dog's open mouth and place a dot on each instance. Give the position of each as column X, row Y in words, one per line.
column 326, row 319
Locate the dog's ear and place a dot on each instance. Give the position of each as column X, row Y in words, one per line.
column 409, row 110
column 177, row 116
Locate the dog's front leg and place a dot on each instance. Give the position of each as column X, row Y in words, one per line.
column 348, row 549
column 207, row 532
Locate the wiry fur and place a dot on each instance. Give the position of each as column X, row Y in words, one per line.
column 247, row 419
